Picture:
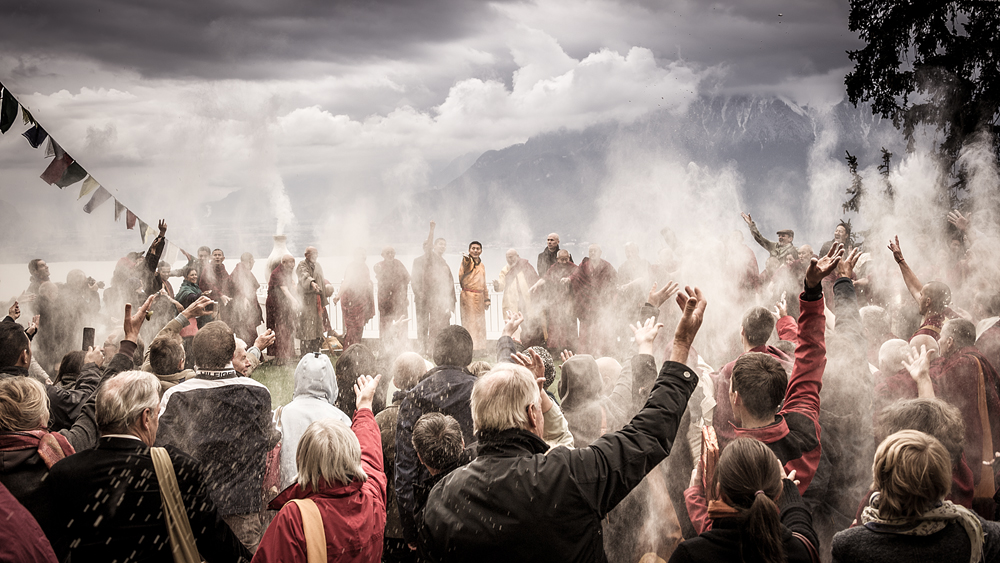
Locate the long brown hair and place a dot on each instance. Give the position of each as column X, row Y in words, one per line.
column 745, row 468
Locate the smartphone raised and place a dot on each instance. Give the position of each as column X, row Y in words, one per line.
column 88, row 338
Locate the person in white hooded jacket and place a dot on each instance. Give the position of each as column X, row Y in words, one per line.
column 313, row 399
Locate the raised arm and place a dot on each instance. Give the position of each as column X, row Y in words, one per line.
column 909, row 277
column 769, row 245
column 614, row 464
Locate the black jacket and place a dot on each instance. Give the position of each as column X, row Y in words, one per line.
column 520, row 501
column 722, row 542
column 105, row 506
column 445, row 389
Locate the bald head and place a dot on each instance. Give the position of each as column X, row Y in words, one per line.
column 552, row 242
column 594, row 252
column 311, row 253
column 512, row 257
column 891, row 355
column 924, row 340
column 389, row 253
column 407, row 370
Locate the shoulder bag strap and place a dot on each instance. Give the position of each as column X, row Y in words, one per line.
column 312, row 527
column 813, row 554
column 181, row 537
column 986, row 486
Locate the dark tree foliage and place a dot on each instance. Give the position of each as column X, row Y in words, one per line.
column 883, row 169
column 930, row 62
column 857, row 188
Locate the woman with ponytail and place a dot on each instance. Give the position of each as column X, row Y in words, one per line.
column 907, row 518
column 759, row 515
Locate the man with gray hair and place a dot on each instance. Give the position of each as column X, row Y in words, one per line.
column 520, row 500
column 127, row 522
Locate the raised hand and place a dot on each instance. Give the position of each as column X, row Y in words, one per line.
column 897, row 253
column 658, row 297
column 919, row 366
column 94, row 356
column 565, row 355
column 960, row 221
column 531, row 360
column 747, row 218
column 645, row 333
column 15, row 311
column 265, row 340
column 198, row 308
column 163, row 227
column 364, row 391
column 692, row 304
column 819, row 269
column 514, row 321
column 781, row 307
column 133, row 323
column 846, row 267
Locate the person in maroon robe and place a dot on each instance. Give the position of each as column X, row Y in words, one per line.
column 594, row 295
column 392, row 279
column 214, row 282
column 557, row 304
column 281, row 308
column 932, row 298
column 244, row 310
column 963, row 377
column 357, row 299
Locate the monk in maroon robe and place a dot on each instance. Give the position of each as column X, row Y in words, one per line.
column 281, row 309
column 357, row 299
column 932, row 299
column 392, row 279
column 244, row 310
column 965, row 378
column 557, row 302
column 594, row 294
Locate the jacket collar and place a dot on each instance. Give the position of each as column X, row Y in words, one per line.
column 116, row 443
column 767, row 434
column 14, row 370
column 513, row 442
column 295, row 492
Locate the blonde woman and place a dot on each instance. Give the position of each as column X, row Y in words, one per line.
column 907, row 518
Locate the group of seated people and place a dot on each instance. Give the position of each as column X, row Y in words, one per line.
column 659, row 457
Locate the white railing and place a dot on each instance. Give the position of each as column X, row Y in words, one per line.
column 494, row 315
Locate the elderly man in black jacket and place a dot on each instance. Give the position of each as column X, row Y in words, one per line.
column 519, row 500
column 105, row 503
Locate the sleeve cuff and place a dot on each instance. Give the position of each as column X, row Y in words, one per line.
column 812, row 293
column 181, row 319
column 255, row 351
column 127, row 347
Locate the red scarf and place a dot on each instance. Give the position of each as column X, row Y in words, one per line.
column 51, row 446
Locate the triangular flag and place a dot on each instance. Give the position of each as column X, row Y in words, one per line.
column 73, row 174
column 27, row 117
column 8, row 110
column 142, row 230
column 56, row 169
column 119, row 208
column 35, row 136
column 89, row 185
column 53, row 149
column 170, row 253
column 150, row 233
column 99, row 197
column 129, row 219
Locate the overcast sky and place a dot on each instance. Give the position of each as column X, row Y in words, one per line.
column 173, row 103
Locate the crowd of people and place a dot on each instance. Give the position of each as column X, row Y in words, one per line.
column 841, row 421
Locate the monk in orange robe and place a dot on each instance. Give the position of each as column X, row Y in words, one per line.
column 475, row 297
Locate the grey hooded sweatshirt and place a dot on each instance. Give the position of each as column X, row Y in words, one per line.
column 313, row 399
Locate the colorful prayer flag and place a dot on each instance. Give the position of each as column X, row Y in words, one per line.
column 57, row 168
column 119, row 209
column 99, row 197
column 89, row 185
column 8, row 110
column 73, row 174
column 129, row 219
column 143, row 230
column 35, row 136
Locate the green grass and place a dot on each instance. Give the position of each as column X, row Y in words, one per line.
column 279, row 379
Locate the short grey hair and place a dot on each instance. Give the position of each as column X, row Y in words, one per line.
column 500, row 398
column 328, row 451
column 123, row 398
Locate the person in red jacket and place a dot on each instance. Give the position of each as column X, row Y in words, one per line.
column 341, row 472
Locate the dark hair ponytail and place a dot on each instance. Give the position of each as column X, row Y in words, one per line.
column 749, row 476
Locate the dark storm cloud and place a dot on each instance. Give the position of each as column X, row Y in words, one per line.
column 232, row 39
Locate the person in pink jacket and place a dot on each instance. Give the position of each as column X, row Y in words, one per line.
column 341, row 471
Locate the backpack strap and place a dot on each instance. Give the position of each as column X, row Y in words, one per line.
column 312, row 527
